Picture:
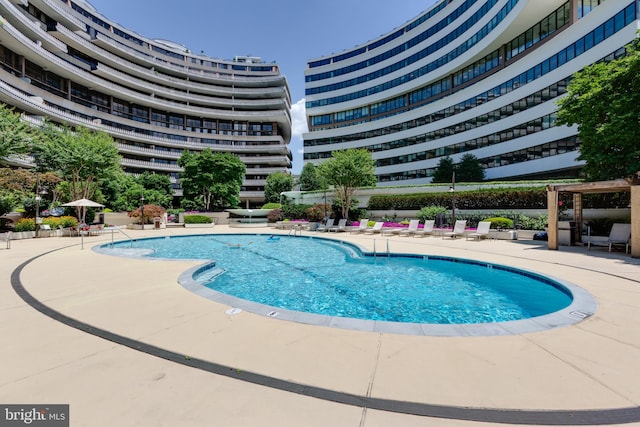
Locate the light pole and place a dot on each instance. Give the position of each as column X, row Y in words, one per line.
column 37, row 212
column 452, row 189
column 142, row 209
column 38, row 198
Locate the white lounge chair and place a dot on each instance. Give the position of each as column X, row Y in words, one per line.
column 620, row 234
column 413, row 227
column 427, row 230
column 326, row 226
column 363, row 226
column 458, row 229
column 481, row 232
column 342, row 226
column 377, row 228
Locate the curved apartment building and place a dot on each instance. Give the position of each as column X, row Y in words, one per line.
column 466, row 76
column 63, row 60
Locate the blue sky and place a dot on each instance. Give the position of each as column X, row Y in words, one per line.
column 289, row 32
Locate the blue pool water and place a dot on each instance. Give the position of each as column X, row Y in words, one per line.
column 326, row 277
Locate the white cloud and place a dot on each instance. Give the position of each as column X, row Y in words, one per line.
column 298, row 119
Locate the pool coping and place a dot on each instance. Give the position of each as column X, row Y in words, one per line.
column 581, row 308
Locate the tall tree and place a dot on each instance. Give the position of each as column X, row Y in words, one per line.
column 469, row 169
column 212, row 180
column 604, row 101
column 82, row 158
column 347, row 170
column 444, row 171
column 277, row 183
column 16, row 136
column 310, row 179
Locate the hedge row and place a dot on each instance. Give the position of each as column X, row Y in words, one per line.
column 509, row 198
column 480, row 199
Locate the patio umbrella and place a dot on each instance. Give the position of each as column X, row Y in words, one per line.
column 85, row 203
column 81, row 205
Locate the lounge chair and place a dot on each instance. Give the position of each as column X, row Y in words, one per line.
column 427, row 230
column 458, row 229
column 342, row 226
column 363, row 226
column 326, row 226
column 413, row 227
column 377, row 228
column 481, row 232
column 620, row 234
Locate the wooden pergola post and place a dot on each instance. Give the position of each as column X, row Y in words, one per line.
column 577, row 216
column 635, row 221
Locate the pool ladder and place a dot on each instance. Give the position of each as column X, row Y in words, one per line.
column 296, row 229
column 375, row 253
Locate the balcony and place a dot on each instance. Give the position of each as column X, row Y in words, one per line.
column 30, row 27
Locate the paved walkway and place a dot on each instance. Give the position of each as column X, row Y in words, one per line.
column 593, row 365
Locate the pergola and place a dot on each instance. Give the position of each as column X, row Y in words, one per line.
column 618, row 185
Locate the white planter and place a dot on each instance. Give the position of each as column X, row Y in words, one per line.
column 139, row 226
column 503, row 235
column 18, row 235
column 199, row 225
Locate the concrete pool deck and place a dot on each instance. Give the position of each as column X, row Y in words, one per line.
column 311, row 375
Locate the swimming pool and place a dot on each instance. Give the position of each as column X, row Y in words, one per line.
column 316, row 280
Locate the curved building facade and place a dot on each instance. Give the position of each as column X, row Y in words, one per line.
column 466, row 76
column 62, row 60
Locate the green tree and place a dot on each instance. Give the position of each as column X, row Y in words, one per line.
column 211, row 180
column 6, row 205
column 116, row 192
column 158, row 189
column 444, row 171
column 469, row 169
column 310, row 179
column 82, row 157
column 347, row 170
column 277, row 183
column 604, row 101
column 16, row 136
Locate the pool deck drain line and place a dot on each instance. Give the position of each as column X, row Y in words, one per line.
column 490, row 415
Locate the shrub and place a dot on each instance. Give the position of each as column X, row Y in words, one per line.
column 500, row 223
column 275, row 215
column 25, row 224
column 430, row 212
column 523, row 221
column 512, row 198
column 62, row 221
column 292, row 211
column 197, row 219
column 317, row 212
column 6, row 205
column 272, row 206
column 355, row 214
